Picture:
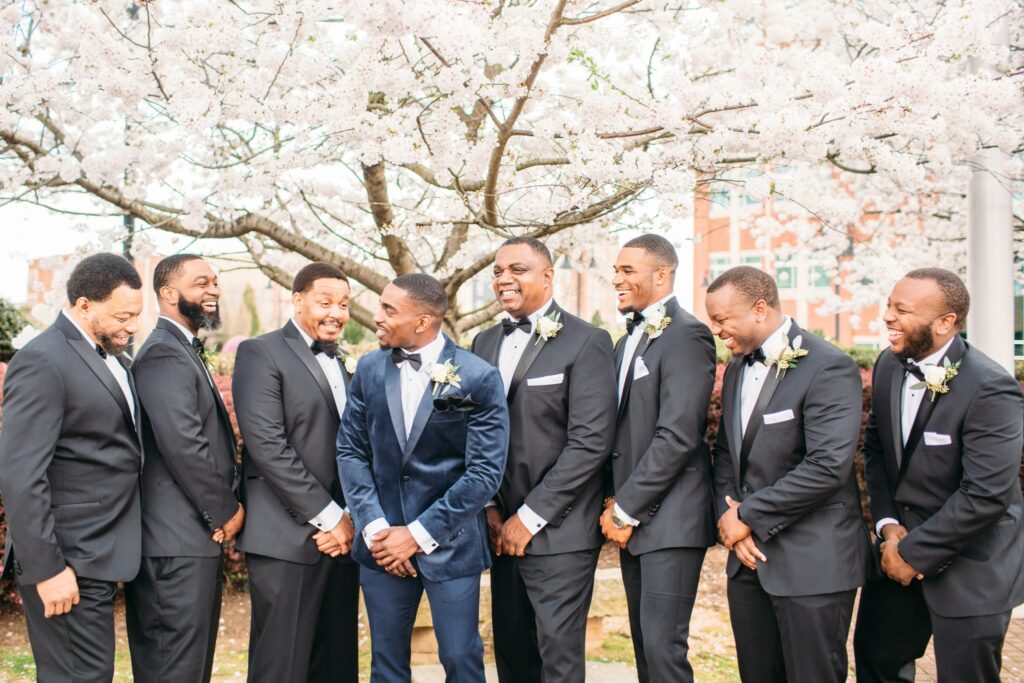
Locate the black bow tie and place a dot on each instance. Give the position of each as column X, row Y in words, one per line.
column 398, row 356
column 755, row 357
column 102, row 351
column 508, row 326
column 633, row 322
column 913, row 368
column 199, row 345
column 330, row 351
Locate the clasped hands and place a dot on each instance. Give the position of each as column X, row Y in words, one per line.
column 227, row 533
column 736, row 536
column 619, row 537
column 509, row 537
column 393, row 549
column 893, row 564
column 337, row 541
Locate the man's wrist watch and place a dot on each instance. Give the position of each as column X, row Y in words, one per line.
column 618, row 522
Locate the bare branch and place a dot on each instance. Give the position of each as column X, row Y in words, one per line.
column 576, row 21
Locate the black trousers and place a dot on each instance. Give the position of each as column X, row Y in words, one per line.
column 173, row 612
column 661, row 587
column 539, row 606
column 304, row 620
column 788, row 639
column 894, row 624
column 77, row 647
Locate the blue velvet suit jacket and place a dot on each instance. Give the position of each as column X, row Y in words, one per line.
column 442, row 474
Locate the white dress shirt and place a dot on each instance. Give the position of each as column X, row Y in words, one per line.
column 413, row 386
column 331, row 515
column 512, row 348
column 754, row 375
column 632, row 341
column 189, row 336
column 111, row 361
column 909, row 405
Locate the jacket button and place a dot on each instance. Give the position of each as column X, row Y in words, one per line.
column 615, row 454
column 745, row 489
column 906, row 508
column 406, row 478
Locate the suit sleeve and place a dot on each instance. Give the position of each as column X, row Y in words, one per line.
column 875, row 471
column 991, row 446
column 486, row 451
column 722, row 460
column 165, row 380
column 259, row 406
column 355, row 459
column 685, row 383
column 33, row 413
column 831, row 423
column 591, row 428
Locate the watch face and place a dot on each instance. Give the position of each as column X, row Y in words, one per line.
column 619, row 524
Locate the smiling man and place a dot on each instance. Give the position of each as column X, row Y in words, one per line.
column 290, row 388
column 188, row 482
column 70, row 458
column 560, row 388
column 661, row 515
column 942, row 457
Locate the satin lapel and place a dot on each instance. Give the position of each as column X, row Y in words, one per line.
column 924, row 412
column 492, row 350
column 393, row 391
column 641, row 347
column 222, row 411
column 895, row 421
column 731, row 406
column 298, row 346
column 135, row 399
column 426, row 406
column 620, row 351
column 533, row 348
column 99, row 368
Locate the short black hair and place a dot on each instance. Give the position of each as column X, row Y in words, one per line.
column 752, row 282
column 657, row 246
column 97, row 276
column 424, row 290
column 317, row 270
column 169, row 268
column 955, row 296
column 533, row 243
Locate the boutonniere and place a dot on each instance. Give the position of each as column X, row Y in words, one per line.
column 786, row 357
column 444, row 375
column 351, row 362
column 207, row 357
column 937, row 377
column 656, row 323
column 548, row 326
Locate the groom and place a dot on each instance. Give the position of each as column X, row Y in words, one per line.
column 421, row 450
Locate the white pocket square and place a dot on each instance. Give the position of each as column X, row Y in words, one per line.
column 781, row 416
column 640, row 369
column 545, row 381
column 936, row 439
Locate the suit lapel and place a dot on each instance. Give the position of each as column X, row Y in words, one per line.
column 895, row 421
column 393, row 391
column 731, row 403
column 426, row 406
column 924, row 412
column 298, row 346
column 534, row 345
column 672, row 311
column 492, row 348
column 88, row 353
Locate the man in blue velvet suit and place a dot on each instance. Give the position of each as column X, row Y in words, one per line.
column 421, row 450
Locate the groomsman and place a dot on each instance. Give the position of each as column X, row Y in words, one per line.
column 662, row 514
column 188, row 501
column 558, row 378
column 290, row 387
column 785, row 491
column 942, row 458
column 70, row 458
column 420, row 452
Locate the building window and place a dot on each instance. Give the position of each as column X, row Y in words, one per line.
column 719, row 264
column 785, row 272
column 820, row 277
column 752, row 260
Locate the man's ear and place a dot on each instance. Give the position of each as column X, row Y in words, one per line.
column 944, row 324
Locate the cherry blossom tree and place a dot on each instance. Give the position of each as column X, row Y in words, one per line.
column 389, row 137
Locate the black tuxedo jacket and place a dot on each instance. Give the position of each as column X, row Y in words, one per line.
column 954, row 484
column 660, row 464
column 793, row 471
column 70, row 458
column 289, row 423
column 562, row 420
column 189, row 476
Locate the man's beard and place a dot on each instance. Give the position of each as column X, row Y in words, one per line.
column 199, row 318
column 112, row 347
column 917, row 342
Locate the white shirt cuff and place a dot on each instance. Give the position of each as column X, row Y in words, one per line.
column 328, row 517
column 424, row 539
column 531, row 520
column 621, row 514
column 882, row 523
column 491, row 504
column 372, row 529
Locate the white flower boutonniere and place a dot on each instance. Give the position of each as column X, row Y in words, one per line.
column 937, row 377
column 786, row 357
column 444, row 375
column 351, row 362
column 548, row 326
column 656, row 323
